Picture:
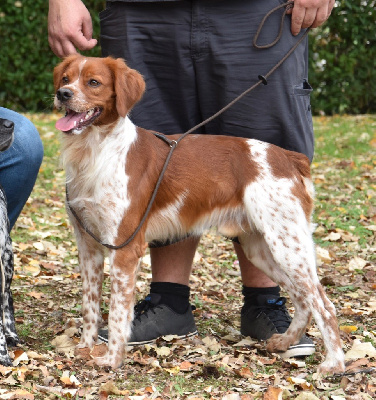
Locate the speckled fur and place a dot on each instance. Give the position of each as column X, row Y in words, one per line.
column 256, row 191
column 8, row 335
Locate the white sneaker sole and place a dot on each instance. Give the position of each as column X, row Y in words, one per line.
column 105, row 340
column 298, row 350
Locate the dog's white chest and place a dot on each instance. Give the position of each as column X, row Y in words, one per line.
column 98, row 184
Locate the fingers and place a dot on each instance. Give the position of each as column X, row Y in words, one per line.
column 309, row 13
column 321, row 16
column 87, row 28
column 66, row 42
column 69, row 27
column 82, row 43
column 61, row 48
column 297, row 18
column 65, row 45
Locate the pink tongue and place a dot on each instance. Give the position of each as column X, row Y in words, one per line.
column 70, row 121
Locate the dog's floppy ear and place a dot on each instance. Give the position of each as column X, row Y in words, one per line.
column 60, row 68
column 129, row 87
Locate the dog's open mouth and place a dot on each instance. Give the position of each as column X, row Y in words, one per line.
column 77, row 121
column 5, row 143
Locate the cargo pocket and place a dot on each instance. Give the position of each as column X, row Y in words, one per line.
column 303, row 117
column 303, row 90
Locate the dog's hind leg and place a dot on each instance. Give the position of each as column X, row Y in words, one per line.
column 91, row 258
column 8, row 319
column 285, row 252
column 4, row 356
column 258, row 252
column 124, row 266
column 307, row 296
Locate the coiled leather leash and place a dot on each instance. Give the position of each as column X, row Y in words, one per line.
column 173, row 143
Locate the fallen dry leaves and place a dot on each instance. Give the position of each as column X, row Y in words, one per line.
column 219, row 363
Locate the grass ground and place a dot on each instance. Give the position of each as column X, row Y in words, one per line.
column 217, row 364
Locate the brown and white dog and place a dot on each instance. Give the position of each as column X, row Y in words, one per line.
column 252, row 190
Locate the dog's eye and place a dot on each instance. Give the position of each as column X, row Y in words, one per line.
column 94, row 83
column 65, row 79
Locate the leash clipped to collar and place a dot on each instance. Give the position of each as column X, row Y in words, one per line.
column 173, row 143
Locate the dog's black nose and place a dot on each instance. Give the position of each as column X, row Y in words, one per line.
column 7, row 124
column 64, row 94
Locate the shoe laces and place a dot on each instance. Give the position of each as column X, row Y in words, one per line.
column 277, row 313
column 143, row 307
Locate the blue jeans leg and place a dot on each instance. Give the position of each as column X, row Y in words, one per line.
column 19, row 165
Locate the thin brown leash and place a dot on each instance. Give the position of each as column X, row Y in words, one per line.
column 173, row 143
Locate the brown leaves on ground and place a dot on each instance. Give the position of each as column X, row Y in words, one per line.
column 219, row 363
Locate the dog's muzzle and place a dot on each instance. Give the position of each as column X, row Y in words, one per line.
column 6, row 133
column 64, row 94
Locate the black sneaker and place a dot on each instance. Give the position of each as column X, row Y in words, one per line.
column 153, row 320
column 270, row 316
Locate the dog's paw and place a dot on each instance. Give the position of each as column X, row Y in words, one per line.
column 278, row 343
column 82, row 352
column 12, row 341
column 105, row 358
column 331, row 367
column 5, row 360
column 85, row 343
column 108, row 361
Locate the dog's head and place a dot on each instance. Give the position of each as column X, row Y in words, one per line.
column 94, row 91
column 6, row 134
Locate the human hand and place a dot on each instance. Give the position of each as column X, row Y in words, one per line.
column 309, row 13
column 69, row 27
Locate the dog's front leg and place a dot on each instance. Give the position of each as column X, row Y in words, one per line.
column 91, row 259
column 124, row 269
column 4, row 356
column 8, row 312
column 8, row 333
